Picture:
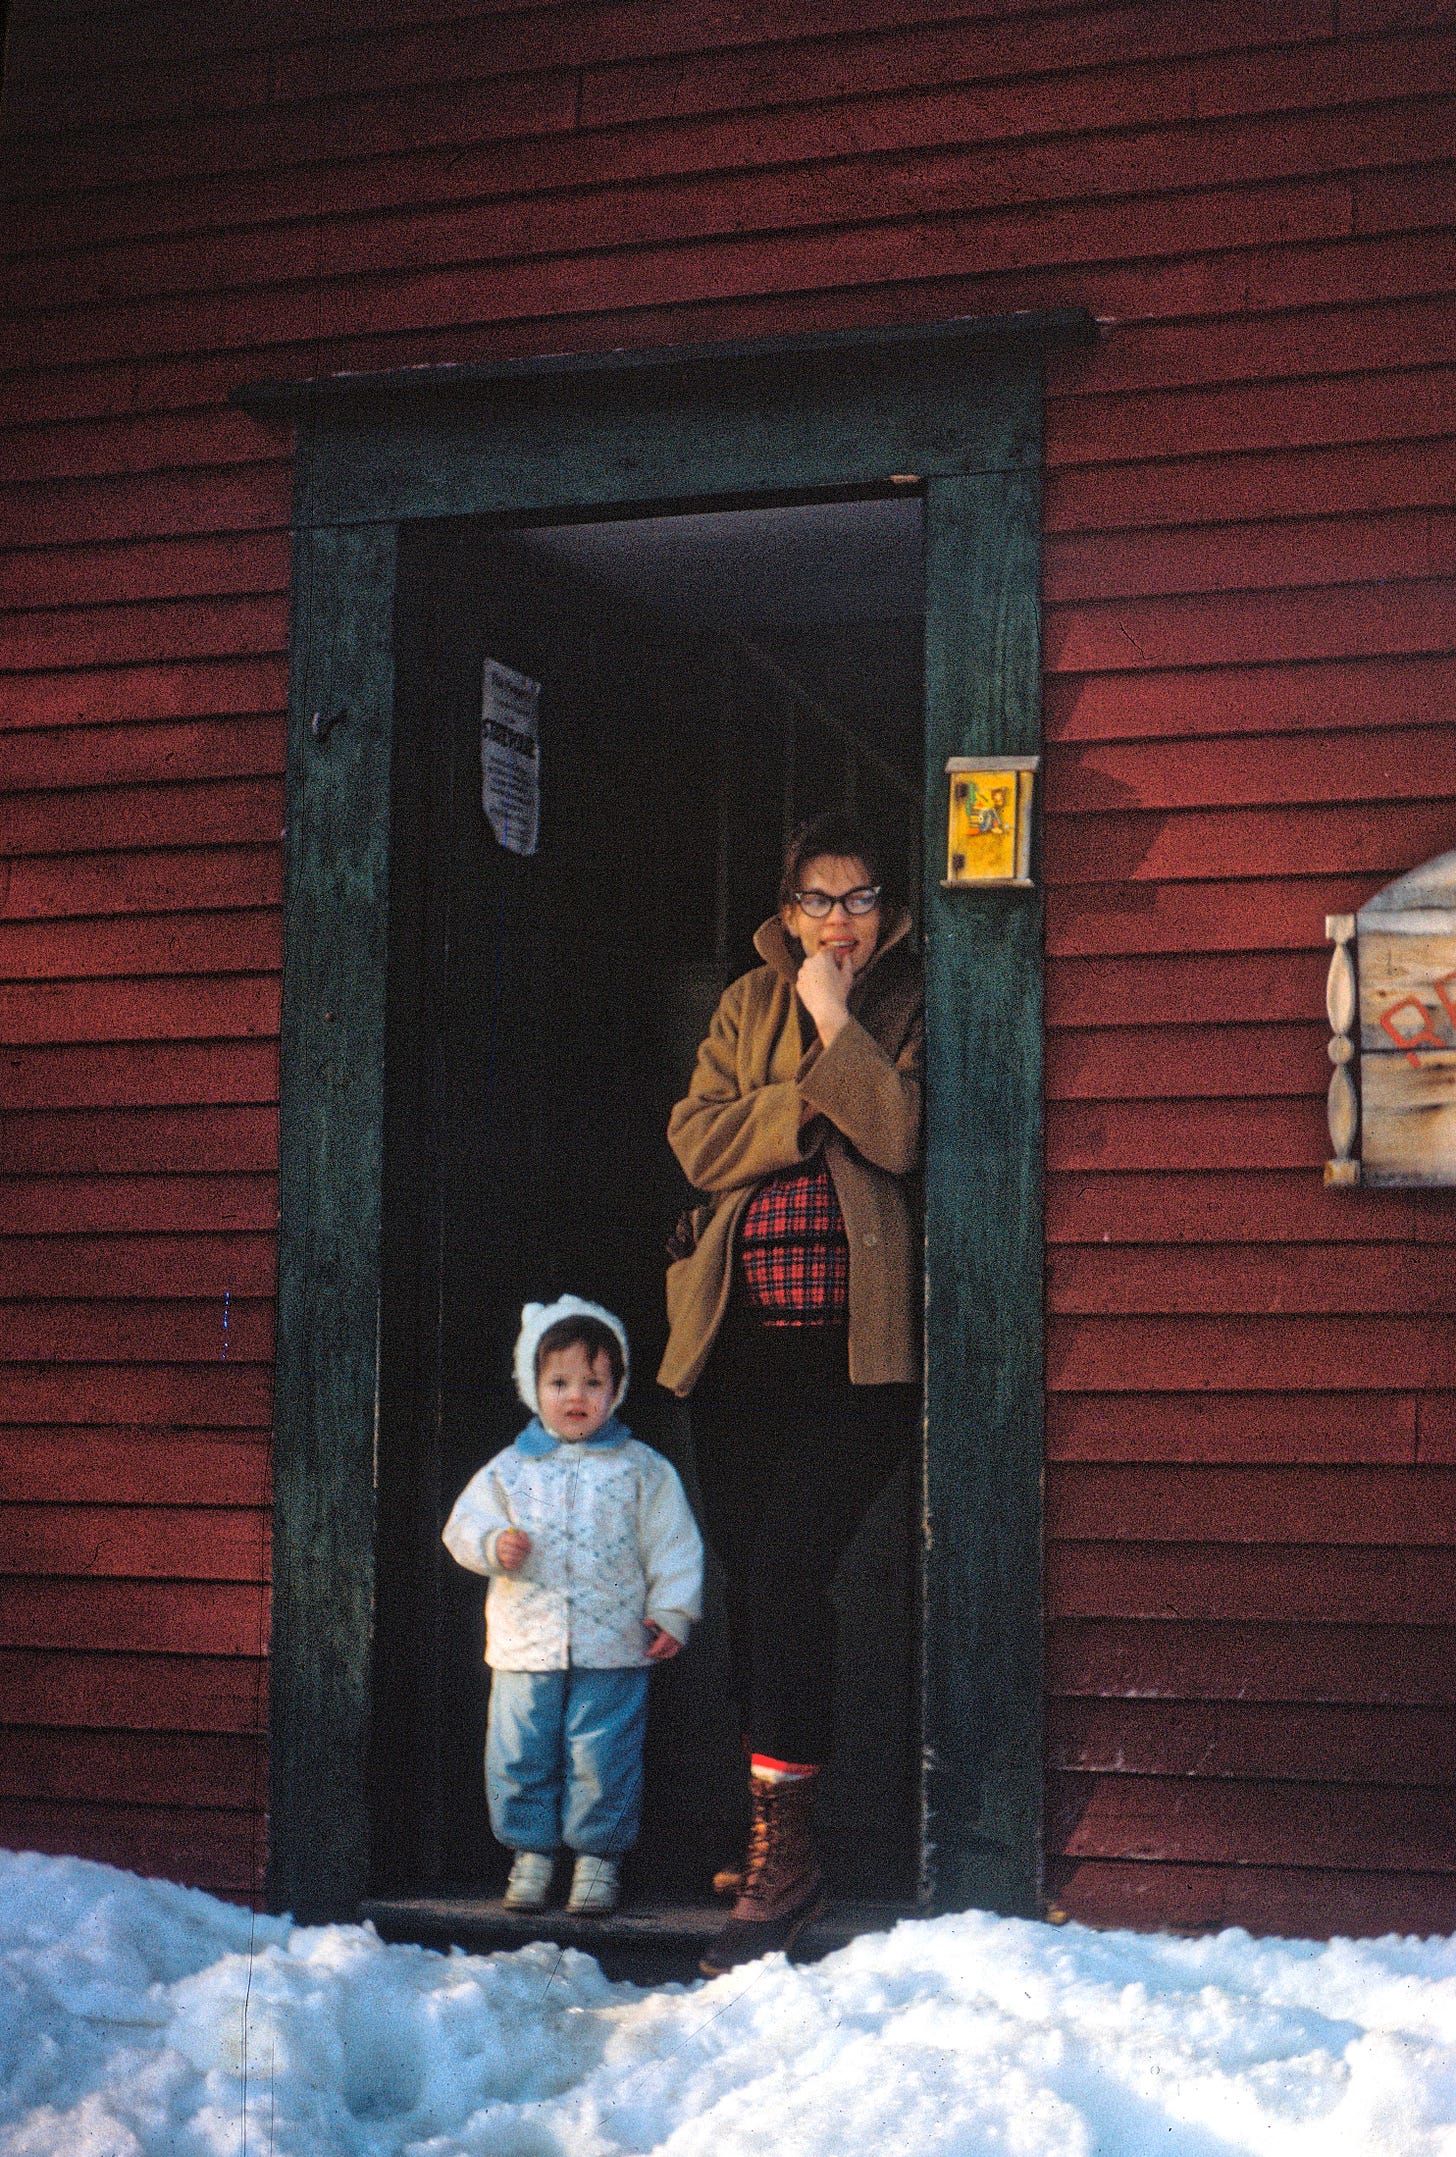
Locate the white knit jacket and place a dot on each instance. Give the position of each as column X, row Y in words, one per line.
column 613, row 1544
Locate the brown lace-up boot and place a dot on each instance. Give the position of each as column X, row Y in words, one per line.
column 783, row 1888
column 728, row 1879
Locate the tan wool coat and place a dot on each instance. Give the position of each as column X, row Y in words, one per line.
column 741, row 1122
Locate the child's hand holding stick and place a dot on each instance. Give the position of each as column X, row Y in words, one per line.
column 512, row 1549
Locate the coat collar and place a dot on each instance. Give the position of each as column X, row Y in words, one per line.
column 772, row 945
column 535, row 1440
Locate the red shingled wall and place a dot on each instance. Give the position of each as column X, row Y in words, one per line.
column 1250, row 655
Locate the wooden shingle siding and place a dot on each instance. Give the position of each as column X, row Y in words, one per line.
column 1250, row 638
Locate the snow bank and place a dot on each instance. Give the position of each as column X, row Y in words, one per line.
column 139, row 2019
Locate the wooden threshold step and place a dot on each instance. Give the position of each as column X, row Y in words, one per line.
column 652, row 1943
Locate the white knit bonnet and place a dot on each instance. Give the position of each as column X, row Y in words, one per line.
column 536, row 1318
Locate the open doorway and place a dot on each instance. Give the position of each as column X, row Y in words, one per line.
column 709, row 677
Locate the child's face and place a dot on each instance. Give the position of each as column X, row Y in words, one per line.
column 575, row 1391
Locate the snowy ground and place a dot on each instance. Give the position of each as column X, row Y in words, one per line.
column 139, row 2019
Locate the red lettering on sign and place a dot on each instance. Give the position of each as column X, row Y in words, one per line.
column 1445, row 988
column 1421, row 1037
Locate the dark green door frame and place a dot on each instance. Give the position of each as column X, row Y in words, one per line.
column 959, row 405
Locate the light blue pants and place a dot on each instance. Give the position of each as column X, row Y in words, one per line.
column 563, row 1759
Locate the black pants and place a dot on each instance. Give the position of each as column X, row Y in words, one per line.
column 790, row 1457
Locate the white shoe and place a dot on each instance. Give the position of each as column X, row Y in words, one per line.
column 593, row 1886
column 530, row 1881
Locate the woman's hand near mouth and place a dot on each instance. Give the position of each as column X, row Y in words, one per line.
column 824, row 982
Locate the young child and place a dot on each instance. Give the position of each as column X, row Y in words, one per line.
column 596, row 1573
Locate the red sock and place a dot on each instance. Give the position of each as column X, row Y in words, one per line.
column 780, row 1771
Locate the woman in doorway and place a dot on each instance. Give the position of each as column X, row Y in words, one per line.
column 795, row 1316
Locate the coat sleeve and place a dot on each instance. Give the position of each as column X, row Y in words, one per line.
column 671, row 1548
column 874, row 1099
column 724, row 1138
column 477, row 1519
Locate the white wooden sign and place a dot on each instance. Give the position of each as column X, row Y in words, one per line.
column 1392, row 1009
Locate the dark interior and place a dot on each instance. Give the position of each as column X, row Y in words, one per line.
column 708, row 678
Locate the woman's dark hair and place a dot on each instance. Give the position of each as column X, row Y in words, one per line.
column 838, row 834
column 592, row 1334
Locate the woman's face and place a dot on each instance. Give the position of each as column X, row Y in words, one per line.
column 843, row 935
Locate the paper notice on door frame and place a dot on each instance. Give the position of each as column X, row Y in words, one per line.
column 510, row 756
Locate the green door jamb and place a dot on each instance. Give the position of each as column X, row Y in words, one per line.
column 982, row 1702
column 959, row 404
column 336, row 853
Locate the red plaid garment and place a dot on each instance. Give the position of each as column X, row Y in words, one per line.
column 793, row 1254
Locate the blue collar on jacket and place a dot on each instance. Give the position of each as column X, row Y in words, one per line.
column 535, row 1439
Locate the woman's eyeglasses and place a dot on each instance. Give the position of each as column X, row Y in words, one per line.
column 819, row 905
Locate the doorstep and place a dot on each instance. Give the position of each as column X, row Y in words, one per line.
column 651, row 1943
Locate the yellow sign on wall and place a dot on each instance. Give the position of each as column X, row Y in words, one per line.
column 1391, row 1000
column 989, row 832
